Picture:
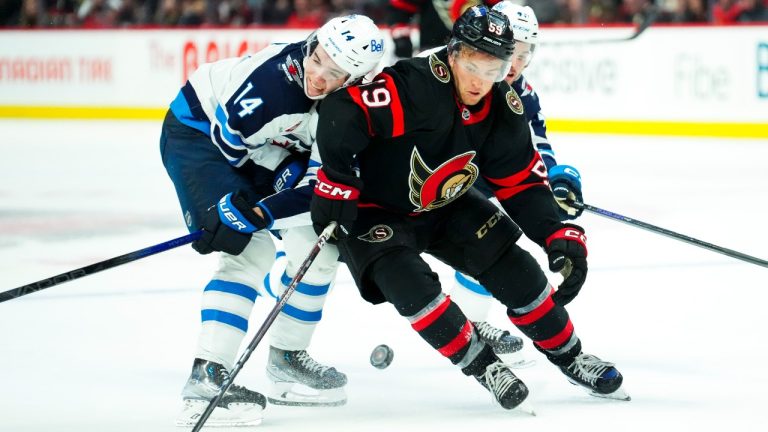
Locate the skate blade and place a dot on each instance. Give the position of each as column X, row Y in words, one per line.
column 295, row 394
column 619, row 394
column 516, row 360
column 526, row 407
column 237, row 414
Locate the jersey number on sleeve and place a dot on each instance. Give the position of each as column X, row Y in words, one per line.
column 249, row 104
column 376, row 98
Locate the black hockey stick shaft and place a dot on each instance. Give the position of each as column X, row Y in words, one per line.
column 649, row 17
column 321, row 241
column 665, row 232
column 97, row 267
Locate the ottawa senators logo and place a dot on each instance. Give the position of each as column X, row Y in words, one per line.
column 514, row 102
column 431, row 189
column 377, row 234
column 439, row 69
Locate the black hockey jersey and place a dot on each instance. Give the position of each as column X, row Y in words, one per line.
column 418, row 148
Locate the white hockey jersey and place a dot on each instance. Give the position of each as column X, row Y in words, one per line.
column 252, row 107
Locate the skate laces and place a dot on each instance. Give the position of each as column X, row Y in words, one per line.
column 220, row 374
column 499, row 379
column 306, row 361
column 488, row 331
column 588, row 367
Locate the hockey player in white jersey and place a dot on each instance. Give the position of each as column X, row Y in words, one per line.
column 565, row 180
column 235, row 134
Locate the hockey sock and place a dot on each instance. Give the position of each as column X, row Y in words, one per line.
column 549, row 326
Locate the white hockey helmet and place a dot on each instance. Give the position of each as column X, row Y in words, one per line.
column 354, row 43
column 523, row 20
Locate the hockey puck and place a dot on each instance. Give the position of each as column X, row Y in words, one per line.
column 382, row 356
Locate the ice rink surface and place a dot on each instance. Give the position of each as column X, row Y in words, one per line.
column 111, row 351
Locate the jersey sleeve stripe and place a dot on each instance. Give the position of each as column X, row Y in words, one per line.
column 398, row 120
column 404, row 6
column 517, row 178
column 354, row 93
column 229, row 138
column 234, row 157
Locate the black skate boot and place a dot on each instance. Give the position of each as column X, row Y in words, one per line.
column 599, row 378
column 238, row 407
column 501, row 341
column 300, row 380
column 506, row 388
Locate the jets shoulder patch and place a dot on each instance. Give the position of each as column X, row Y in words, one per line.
column 439, row 69
column 514, row 102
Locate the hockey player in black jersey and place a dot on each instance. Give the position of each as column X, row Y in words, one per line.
column 421, row 134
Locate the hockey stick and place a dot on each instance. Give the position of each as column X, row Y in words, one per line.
column 649, row 17
column 97, row 267
column 321, row 241
column 690, row 240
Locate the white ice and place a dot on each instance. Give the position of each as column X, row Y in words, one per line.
column 111, row 351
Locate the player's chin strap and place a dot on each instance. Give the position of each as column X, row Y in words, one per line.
column 319, row 244
column 658, row 230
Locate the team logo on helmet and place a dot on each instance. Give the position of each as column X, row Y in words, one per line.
column 377, row 234
column 514, row 102
column 431, row 189
column 439, row 69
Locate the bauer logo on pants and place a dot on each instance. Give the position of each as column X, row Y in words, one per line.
column 377, row 234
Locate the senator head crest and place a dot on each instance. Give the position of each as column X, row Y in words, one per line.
column 431, row 189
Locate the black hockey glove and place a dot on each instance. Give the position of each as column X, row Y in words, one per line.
column 567, row 254
column 229, row 225
column 333, row 201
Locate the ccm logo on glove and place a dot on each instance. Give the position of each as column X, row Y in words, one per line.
column 331, row 190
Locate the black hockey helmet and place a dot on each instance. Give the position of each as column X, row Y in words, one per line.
column 486, row 30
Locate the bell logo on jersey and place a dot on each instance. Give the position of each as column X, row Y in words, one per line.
column 431, row 189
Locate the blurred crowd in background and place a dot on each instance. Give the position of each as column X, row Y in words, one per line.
column 313, row 13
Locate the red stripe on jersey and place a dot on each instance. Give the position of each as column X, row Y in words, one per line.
column 557, row 340
column 535, row 314
column 509, row 186
column 398, row 120
column 480, row 115
column 354, row 93
column 460, row 341
column 429, row 318
column 505, row 193
column 404, row 5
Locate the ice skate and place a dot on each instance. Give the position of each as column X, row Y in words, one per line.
column 238, row 407
column 505, row 387
column 507, row 346
column 297, row 379
column 599, row 378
